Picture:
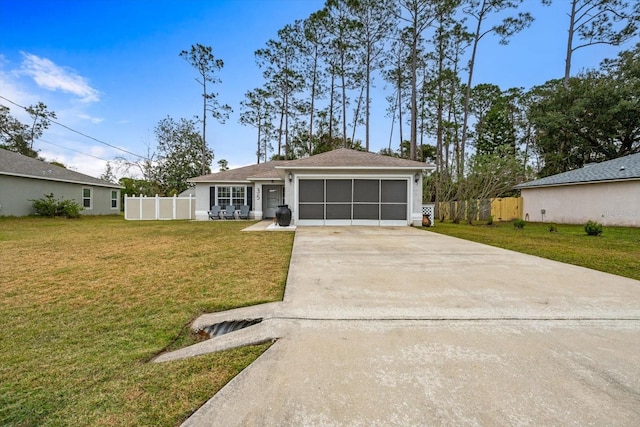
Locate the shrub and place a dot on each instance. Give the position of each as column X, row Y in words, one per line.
column 46, row 206
column 519, row 223
column 49, row 206
column 553, row 228
column 490, row 220
column 69, row 208
column 593, row 228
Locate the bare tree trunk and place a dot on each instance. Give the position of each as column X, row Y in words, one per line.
column 368, row 99
column 356, row 115
column 393, row 121
column 567, row 65
column 280, row 134
column 400, row 114
column 286, row 110
column 259, row 139
column 439, row 114
column 414, row 89
column 286, row 127
column 204, row 126
column 344, row 101
column 313, row 99
column 467, row 96
column 333, row 88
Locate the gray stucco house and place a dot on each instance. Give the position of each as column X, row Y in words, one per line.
column 340, row 187
column 23, row 179
column 607, row 192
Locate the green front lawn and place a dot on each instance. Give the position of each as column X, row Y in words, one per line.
column 85, row 304
column 616, row 251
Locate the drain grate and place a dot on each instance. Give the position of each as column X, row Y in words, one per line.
column 229, row 326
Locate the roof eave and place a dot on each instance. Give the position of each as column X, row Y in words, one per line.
column 45, row 178
column 266, row 179
column 564, row 184
column 230, row 181
column 295, row 167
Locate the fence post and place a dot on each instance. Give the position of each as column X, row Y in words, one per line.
column 174, row 214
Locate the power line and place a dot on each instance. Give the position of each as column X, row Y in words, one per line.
column 78, row 132
column 71, row 149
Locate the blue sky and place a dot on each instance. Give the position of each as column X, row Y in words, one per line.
column 111, row 70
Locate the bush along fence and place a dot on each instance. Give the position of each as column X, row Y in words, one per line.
column 159, row 208
column 497, row 209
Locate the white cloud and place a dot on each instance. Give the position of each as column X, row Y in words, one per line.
column 11, row 89
column 92, row 119
column 86, row 164
column 50, row 76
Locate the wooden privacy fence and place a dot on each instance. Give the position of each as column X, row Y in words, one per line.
column 500, row 209
column 159, row 208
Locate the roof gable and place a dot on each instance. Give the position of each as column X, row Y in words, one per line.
column 622, row 168
column 15, row 164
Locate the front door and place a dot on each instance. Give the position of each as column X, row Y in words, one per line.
column 273, row 196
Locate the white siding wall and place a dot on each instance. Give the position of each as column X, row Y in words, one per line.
column 416, row 202
column 613, row 203
column 202, row 201
column 257, row 201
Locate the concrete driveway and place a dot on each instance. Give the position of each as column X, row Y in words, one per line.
column 399, row 326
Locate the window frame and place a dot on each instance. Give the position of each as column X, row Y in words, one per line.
column 235, row 195
column 88, row 199
column 115, row 199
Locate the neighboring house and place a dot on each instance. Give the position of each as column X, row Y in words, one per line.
column 23, row 179
column 340, row 187
column 607, row 192
column 189, row 192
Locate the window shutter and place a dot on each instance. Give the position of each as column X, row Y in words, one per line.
column 250, row 197
column 212, row 196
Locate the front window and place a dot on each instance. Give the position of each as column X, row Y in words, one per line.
column 232, row 196
column 114, row 199
column 87, row 198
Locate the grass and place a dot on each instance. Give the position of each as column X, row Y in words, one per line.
column 87, row 303
column 616, row 251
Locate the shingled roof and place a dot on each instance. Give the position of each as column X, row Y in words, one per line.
column 261, row 170
column 342, row 158
column 620, row 169
column 15, row 164
column 348, row 158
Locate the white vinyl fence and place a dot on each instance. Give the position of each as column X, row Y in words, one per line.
column 159, row 208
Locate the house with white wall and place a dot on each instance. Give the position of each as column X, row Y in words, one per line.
column 339, row 187
column 607, row 192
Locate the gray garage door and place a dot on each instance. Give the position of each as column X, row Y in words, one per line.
column 352, row 202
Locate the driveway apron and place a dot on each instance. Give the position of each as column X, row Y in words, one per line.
column 401, row 326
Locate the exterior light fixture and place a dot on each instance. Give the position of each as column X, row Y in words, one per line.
column 290, row 177
column 417, row 177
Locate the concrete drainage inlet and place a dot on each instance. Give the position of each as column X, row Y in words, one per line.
column 228, row 326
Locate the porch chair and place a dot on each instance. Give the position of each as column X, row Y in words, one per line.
column 229, row 211
column 214, row 213
column 243, row 213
